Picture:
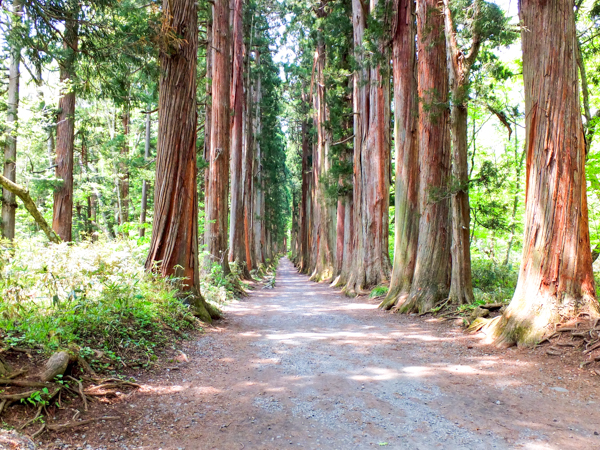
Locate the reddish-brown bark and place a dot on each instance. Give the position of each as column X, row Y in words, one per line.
column 174, row 243
column 431, row 279
column 217, row 192
column 556, row 281
column 305, row 222
column 207, row 114
column 370, row 254
column 62, row 216
column 407, row 153
column 237, row 247
column 459, row 69
column 323, row 247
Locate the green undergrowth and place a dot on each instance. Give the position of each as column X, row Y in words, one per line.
column 493, row 283
column 379, row 291
column 96, row 296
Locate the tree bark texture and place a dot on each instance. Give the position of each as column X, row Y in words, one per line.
column 237, row 245
column 259, row 237
column 431, row 279
column 124, row 169
column 556, row 281
column 370, row 255
column 62, row 217
column 305, row 222
column 174, row 243
column 248, row 171
column 407, row 153
column 324, row 208
column 145, row 183
column 9, row 204
column 459, row 69
column 217, row 192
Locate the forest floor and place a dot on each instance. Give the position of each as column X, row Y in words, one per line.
column 300, row 366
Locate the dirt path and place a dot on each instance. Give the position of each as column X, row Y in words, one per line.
column 300, row 366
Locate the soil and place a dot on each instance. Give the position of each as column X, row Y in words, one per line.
column 301, row 366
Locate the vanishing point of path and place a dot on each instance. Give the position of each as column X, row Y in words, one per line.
column 302, row 367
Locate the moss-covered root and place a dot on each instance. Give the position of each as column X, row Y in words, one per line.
column 394, row 299
column 388, row 302
column 527, row 323
column 202, row 309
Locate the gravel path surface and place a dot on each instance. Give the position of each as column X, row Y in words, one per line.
column 300, row 366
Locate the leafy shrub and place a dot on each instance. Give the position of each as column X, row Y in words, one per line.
column 95, row 295
column 493, row 282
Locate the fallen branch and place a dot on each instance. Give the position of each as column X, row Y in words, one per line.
column 23, row 194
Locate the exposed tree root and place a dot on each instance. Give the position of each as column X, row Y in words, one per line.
column 421, row 300
column 583, row 333
column 30, row 421
column 23, row 383
column 393, row 298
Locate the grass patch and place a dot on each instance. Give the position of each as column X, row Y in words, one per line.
column 379, row 291
column 96, row 296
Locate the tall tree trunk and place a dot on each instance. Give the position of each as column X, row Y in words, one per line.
column 371, row 260
column 9, row 200
column 258, row 212
column 248, row 169
column 556, row 281
column 237, row 247
column 62, row 217
column 461, row 285
column 124, row 169
column 323, row 220
column 407, row 153
column 145, row 183
column 304, row 217
column 217, row 192
column 174, row 243
column 459, row 69
column 208, row 111
column 431, row 280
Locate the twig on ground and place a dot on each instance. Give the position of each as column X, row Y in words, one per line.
column 64, row 426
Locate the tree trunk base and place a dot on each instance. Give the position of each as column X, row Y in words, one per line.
column 338, row 282
column 422, row 300
column 201, row 309
column 459, row 297
column 326, row 275
column 527, row 327
column 394, row 298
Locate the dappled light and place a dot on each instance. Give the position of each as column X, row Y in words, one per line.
column 323, row 224
column 340, row 377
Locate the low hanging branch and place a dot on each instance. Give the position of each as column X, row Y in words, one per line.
column 23, row 194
